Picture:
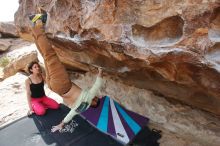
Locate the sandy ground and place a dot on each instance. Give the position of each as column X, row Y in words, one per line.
column 13, row 100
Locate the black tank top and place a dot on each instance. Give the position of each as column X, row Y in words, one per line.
column 37, row 90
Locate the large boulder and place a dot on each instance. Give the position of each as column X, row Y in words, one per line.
column 170, row 47
column 10, row 44
column 5, row 44
column 8, row 30
column 19, row 64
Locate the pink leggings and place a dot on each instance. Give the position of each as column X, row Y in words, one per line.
column 40, row 105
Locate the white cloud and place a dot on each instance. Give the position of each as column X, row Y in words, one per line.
column 7, row 9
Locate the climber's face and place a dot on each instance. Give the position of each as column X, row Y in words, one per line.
column 36, row 69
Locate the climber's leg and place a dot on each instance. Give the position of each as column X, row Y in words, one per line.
column 57, row 77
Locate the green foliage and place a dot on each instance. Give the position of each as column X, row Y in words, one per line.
column 4, row 61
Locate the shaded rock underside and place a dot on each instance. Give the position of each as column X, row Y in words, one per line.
column 168, row 46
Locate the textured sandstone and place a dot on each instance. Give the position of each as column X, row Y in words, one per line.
column 19, row 64
column 168, row 46
column 8, row 30
column 5, row 44
column 19, row 55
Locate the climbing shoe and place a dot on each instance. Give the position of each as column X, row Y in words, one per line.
column 35, row 17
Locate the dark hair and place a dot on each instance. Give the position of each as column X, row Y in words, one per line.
column 97, row 103
column 30, row 65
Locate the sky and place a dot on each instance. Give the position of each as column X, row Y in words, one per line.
column 7, row 10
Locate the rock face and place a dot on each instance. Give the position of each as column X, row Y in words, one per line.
column 5, row 44
column 19, row 54
column 168, row 46
column 203, row 130
column 19, row 64
column 8, row 30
